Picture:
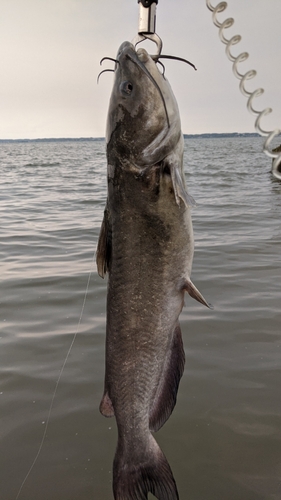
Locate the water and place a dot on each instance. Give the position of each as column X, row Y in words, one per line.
column 223, row 439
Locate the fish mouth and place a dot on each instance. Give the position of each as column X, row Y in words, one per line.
column 127, row 50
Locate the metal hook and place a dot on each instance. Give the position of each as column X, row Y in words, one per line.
column 147, row 23
column 149, row 36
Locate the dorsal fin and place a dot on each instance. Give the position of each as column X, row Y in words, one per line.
column 103, row 254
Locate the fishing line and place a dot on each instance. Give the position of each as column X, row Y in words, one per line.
column 270, row 135
column 56, row 386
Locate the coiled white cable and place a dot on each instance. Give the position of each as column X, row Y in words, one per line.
column 276, row 165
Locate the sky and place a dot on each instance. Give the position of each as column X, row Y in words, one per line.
column 50, row 52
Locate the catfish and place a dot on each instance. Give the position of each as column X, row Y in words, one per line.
column 146, row 247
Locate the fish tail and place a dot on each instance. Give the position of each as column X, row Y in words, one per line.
column 147, row 471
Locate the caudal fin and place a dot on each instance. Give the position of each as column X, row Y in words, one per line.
column 147, row 471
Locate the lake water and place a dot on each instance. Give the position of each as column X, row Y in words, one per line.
column 223, row 440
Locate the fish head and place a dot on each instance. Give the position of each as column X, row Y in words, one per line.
column 143, row 123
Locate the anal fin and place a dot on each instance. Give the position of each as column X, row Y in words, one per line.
column 166, row 395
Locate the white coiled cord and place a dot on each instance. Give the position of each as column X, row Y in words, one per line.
column 276, row 166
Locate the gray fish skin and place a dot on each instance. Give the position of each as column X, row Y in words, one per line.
column 146, row 247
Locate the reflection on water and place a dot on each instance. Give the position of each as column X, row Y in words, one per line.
column 223, row 439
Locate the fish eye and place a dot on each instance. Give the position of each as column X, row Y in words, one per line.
column 126, row 88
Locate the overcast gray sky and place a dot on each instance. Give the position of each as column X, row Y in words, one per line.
column 50, row 52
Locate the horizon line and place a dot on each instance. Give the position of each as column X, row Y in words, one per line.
column 204, row 134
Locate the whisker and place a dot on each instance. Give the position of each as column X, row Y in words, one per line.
column 155, row 58
column 104, row 71
column 161, row 64
column 108, row 59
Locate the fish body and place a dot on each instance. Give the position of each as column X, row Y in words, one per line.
column 146, row 247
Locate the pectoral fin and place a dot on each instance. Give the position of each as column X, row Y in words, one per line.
column 174, row 163
column 104, row 246
column 191, row 289
column 180, row 189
